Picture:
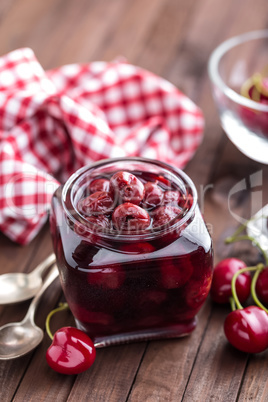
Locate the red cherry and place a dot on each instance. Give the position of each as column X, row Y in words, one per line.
column 197, row 292
column 172, row 197
column 175, row 274
column 130, row 217
column 99, row 185
column 84, row 254
column 99, row 220
column 164, row 214
column 165, row 183
column 137, row 248
column 107, row 277
column 71, row 351
column 222, row 278
column 262, row 286
column 185, row 201
column 247, row 329
column 127, row 188
column 100, row 202
column 153, row 195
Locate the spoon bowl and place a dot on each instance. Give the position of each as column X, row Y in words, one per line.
column 17, row 287
column 19, row 338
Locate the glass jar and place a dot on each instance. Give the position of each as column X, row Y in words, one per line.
column 125, row 285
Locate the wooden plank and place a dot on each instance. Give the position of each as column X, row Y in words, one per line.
column 12, row 371
column 5, row 6
column 218, row 370
column 167, row 364
column 129, row 35
column 111, row 376
column 255, row 385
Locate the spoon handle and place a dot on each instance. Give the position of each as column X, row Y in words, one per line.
column 42, row 267
column 51, row 276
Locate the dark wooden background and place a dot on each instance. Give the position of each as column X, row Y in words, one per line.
column 172, row 38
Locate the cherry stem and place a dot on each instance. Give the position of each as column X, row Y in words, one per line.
column 232, row 239
column 62, row 306
column 247, row 269
column 253, row 289
column 232, row 302
column 241, row 228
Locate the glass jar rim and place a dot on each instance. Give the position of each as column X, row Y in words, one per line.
column 129, row 236
column 213, row 67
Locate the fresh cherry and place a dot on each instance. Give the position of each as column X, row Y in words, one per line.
column 71, row 351
column 222, row 277
column 247, row 329
column 262, row 286
column 100, row 202
column 130, row 217
column 99, row 185
column 153, row 195
column 127, row 188
column 164, row 214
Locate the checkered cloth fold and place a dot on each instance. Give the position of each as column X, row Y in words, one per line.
column 54, row 122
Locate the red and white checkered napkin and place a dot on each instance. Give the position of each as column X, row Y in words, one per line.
column 54, row 122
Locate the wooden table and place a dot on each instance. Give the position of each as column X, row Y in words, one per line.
column 172, row 38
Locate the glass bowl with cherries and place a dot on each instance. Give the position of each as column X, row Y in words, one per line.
column 238, row 70
column 133, row 252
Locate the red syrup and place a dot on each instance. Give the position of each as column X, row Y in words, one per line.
column 133, row 282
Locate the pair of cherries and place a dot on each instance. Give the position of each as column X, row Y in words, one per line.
column 245, row 328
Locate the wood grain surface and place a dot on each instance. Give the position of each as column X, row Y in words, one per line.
column 172, row 38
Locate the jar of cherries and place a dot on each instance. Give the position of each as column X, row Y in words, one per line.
column 133, row 252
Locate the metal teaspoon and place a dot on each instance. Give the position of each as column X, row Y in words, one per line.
column 16, row 287
column 19, row 338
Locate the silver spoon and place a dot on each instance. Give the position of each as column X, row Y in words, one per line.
column 16, row 287
column 19, row 338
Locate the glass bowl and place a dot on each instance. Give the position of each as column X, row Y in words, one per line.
column 129, row 286
column 230, row 66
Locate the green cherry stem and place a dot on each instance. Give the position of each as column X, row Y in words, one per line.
column 253, row 289
column 241, row 228
column 62, row 306
column 232, row 302
column 247, row 269
column 232, row 239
